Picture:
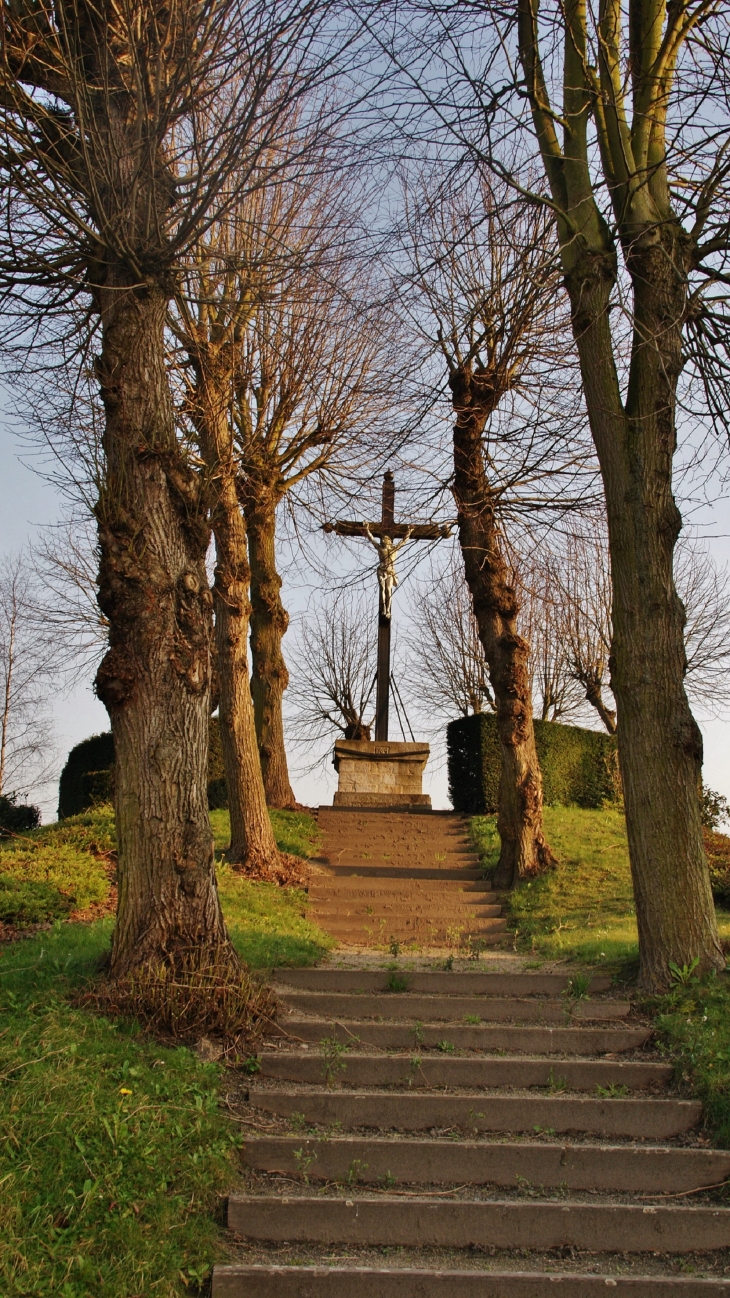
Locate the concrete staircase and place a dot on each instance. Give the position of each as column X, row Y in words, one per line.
column 433, row 1134
column 399, row 876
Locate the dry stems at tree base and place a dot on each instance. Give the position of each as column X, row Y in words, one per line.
column 285, row 870
column 196, row 991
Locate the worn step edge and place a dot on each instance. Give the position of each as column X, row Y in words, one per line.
column 448, row 1223
column 630, row 1169
column 434, row 981
column 375, row 1282
column 401, row 1070
column 526, row 1038
column 414, row 1111
column 405, row 1005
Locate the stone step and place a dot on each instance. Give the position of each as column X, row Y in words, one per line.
column 332, row 1281
column 377, row 935
column 529, row 1040
column 405, row 913
column 352, row 886
column 411, row 1005
column 446, row 873
column 418, row 1071
column 630, row 1169
column 436, row 981
column 447, row 1223
column 655, row 1119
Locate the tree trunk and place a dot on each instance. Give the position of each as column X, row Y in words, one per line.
column 524, row 850
column 269, row 621
column 253, row 847
column 155, row 676
column 660, row 745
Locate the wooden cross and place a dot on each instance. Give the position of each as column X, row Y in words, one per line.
column 388, row 531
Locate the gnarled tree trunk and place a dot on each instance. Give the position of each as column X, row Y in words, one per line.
column 155, row 677
column 253, row 847
column 269, row 621
column 524, row 850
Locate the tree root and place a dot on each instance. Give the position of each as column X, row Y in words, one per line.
column 190, row 992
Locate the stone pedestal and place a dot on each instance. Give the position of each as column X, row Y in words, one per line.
column 380, row 774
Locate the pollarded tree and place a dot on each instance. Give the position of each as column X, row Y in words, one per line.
column 484, row 283
column 122, row 129
column 275, row 319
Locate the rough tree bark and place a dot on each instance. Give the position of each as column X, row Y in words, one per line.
column 155, row 677
column 660, row 746
column 269, row 621
column 253, row 847
column 524, row 850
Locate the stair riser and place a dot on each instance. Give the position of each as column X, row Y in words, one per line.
column 351, row 887
column 436, row 983
column 529, row 1040
column 438, row 912
column 652, row 1119
column 340, row 1282
column 631, row 1170
column 374, row 1070
column 394, row 1005
column 378, row 936
column 447, row 874
column 391, row 1222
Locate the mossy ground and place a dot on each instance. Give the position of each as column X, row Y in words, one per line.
column 583, row 911
column 114, row 1150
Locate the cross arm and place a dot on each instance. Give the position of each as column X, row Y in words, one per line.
column 396, row 531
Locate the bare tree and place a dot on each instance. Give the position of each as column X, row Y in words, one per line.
column 483, row 267
column 65, row 605
column 308, row 390
column 27, row 654
column 334, row 678
column 122, row 130
column 447, row 668
column 543, row 624
column 656, row 170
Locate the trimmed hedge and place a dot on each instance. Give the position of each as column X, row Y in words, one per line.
column 579, row 767
column 88, row 776
column 87, row 779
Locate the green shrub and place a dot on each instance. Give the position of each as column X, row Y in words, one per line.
column 579, row 767
column 76, row 874
column 17, row 817
column 89, row 768
column 27, row 901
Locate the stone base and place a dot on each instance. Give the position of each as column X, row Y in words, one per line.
column 380, row 774
column 382, row 800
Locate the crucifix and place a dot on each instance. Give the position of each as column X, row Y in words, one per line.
column 383, row 536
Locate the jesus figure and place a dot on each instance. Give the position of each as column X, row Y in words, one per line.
column 387, row 579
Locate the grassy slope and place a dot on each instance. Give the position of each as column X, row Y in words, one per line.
column 583, row 910
column 113, row 1149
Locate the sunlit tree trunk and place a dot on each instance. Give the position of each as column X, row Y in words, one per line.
column 155, row 677
column 253, row 847
column 524, row 851
column 269, row 621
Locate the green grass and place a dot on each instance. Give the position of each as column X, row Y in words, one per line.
column 114, row 1151
column 584, row 911
column 50, row 871
column 693, row 1028
column 584, row 908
